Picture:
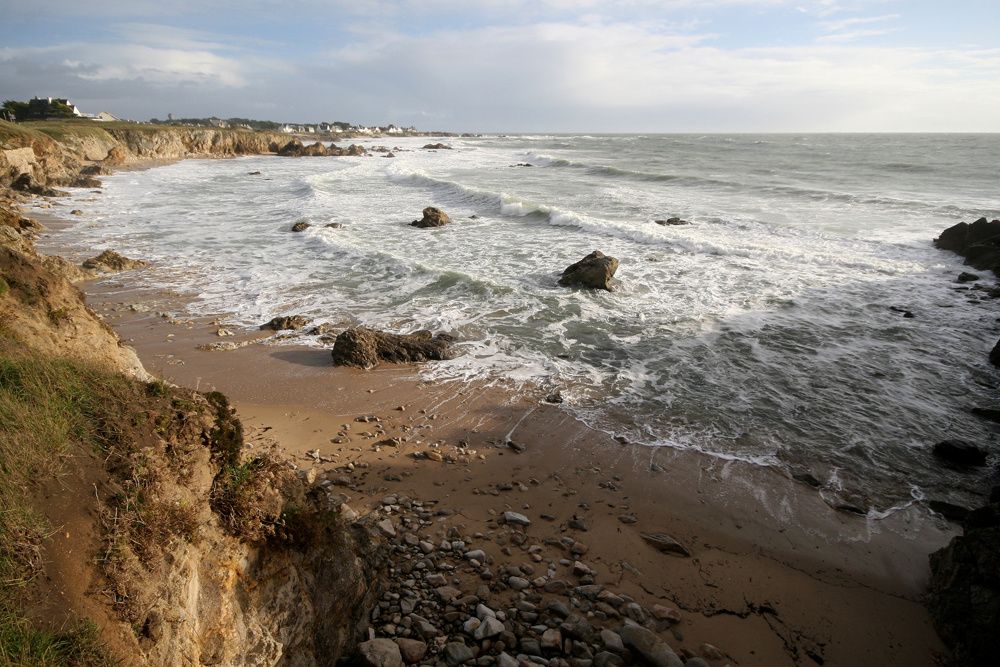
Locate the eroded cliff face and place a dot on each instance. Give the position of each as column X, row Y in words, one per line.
column 59, row 154
column 198, row 549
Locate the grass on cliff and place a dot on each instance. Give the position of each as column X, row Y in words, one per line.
column 49, row 409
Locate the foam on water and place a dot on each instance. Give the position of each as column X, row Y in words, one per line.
column 761, row 332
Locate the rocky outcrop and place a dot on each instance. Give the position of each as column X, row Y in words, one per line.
column 366, row 348
column 110, row 261
column 978, row 243
column 594, row 271
column 964, row 593
column 433, row 217
column 672, row 222
column 301, row 226
column 437, row 147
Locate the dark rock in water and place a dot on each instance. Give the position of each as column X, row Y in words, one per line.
column 554, row 397
column 333, row 225
column 995, row 354
column 808, row 479
column 990, row 414
column 366, row 348
column 300, row 226
column 960, row 452
column 253, row 173
column 672, row 221
column 437, row 147
column 964, row 593
column 293, row 148
column 433, row 217
column 665, row 544
column 966, row 277
column 286, row 323
column 950, row 511
column 594, row 271
column 978, row 242
column 906, row 313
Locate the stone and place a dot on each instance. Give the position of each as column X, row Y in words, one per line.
column 110, row 261
column 608, row 659
column 385, row 525
column 612, row 641
column 476, row 554
column 433, row 217
column 594, row 271
column 518, row 583
column 672, row 222
column 966, row 277
column 665, row 544
column 551, row 640
column 482, row 611
column 424, row 627
column 668, row 614
column 644, row 642
column 506, row 660
column 412, row 650
column 300, row 226
column 286, row 323
column 457, row 653
column 696, row 662
column 437, row 147
column 516, row 519
column 447, row 593
column 711, row 652
column 366, row 348
column 380, row 653
column 489, row 628
column 960, row 452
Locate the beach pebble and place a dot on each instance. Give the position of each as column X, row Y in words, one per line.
column 380, row 653
column 516, row 519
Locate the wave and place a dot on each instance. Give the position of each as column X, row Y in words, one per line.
column 545, row 160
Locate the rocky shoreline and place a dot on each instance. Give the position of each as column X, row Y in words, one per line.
column 541, row 547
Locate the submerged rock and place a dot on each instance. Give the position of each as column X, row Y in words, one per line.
column 286, row 322
column 433, row 217
column 672, row 222
column 594, row 271
column 437, row 147
column 110, row 261
column 960, row 452
column 366, row 348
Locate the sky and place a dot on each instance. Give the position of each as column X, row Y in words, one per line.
column 519, row 65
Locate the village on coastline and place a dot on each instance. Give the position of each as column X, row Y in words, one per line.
column 61, row 108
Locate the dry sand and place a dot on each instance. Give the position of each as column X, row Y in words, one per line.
column 776, row 577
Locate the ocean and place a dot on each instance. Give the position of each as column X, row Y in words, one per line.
column 770, row 329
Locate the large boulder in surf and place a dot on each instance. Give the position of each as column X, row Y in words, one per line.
column 433, row 217
column 314, row 150
column 293, row 148
column 594, row 271
column 286, row 323
column 366, row 348
column 978, row 243
column 110, row 261
column 964, row 591
column 437, row 147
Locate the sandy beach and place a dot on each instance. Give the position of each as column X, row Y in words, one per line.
column 775, row 576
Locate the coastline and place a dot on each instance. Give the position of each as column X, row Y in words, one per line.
column 775, row 572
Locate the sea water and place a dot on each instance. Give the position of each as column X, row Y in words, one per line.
column 769, row 329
